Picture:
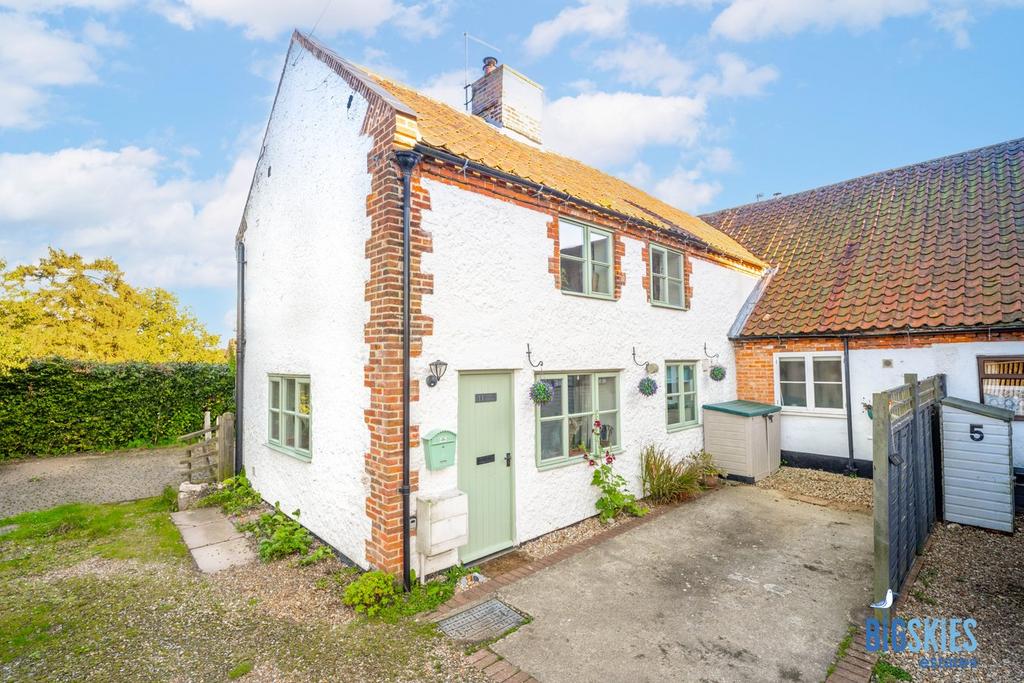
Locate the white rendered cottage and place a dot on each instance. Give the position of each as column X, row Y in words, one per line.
column 511, row 249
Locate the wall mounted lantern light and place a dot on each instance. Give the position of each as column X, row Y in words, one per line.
column 437, row 370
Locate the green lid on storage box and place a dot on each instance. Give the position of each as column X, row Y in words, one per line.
column 744, row 408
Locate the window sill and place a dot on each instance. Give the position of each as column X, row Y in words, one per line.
column 298, row 455
column 572, row 460
column 658, row 304
column 582, row 295
column 839, row 414
column 672, row 429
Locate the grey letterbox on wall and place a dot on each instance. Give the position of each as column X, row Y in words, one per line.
column 439, row 447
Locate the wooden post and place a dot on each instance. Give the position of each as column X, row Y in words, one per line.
column 880, row 478
column 225, row 446
column 206, row 425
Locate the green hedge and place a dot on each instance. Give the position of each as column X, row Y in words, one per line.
column 58, row 406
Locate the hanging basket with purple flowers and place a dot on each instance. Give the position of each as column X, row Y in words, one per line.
column 540, row 392
column 647, row 386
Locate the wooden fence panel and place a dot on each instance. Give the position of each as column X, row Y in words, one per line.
column 904, row 477
column 213, row 457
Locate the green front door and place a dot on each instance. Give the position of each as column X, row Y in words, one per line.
column 485, row 461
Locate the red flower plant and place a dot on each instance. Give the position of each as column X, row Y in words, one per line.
column 609, row 459
column 597, row 424
column 591, row 462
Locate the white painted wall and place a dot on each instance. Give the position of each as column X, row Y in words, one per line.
column 826, row 435
column 305, row 312
column 493, row 294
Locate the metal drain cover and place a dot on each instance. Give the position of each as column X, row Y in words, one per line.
column 485, row 621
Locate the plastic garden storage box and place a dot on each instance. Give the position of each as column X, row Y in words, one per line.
column 743, row 438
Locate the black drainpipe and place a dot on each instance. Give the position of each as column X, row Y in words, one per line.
column 239, row 354
column 407, row 161
column 851, row 468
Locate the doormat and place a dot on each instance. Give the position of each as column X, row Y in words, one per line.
column 483, row 622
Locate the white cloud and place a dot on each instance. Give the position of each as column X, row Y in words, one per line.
column 736, row 78
column 719, row 160
column 646, row 61
column 165, row 232
column 40, row 6
column 954, row 21
column 268, row 20
column 34, row 58
column 96, row 33
column 687, row 189
column 603, row 128
column 745, row 20
column 592, row 17
column 448, row 88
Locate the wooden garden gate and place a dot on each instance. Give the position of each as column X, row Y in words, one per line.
column 212, row 458
column 906, row 467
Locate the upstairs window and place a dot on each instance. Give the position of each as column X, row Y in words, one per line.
column 289, row 415
column 586, row 259
column 1001, row 380
column 811, row 382
column 667, row 277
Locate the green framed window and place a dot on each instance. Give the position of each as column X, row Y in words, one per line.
column 586, row 259
column 681, row 395
column 565, row 424
column 667, row 281
column 289, row 415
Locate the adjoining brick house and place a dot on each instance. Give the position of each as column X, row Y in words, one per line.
column 521, row 266
column 918, row 269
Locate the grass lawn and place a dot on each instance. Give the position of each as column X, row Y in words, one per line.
column 107, row 592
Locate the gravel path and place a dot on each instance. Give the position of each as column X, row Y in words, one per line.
column 970, row 572
column 39, row 483
column 824, row 488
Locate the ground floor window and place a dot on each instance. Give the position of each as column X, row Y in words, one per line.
column 810, row 381
column 289, row 414
column 565, row 424
column 1001, row 383
column 681, row 394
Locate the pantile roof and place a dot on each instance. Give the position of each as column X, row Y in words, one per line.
column 933, row 245
column 443, row 127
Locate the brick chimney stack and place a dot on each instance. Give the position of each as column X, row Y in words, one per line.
column 510, row 101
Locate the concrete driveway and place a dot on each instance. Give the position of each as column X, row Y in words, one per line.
column 740, row 585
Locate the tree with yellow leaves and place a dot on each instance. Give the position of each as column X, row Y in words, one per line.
column 85, row 310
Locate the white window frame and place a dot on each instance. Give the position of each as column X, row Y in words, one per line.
column 809, row 358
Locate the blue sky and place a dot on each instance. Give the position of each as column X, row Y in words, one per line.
column 130, row 129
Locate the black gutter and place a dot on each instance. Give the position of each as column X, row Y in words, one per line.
column 880, row 333
column 851, row 467
column 239, row 354
column 465, row 164
column 407, row 160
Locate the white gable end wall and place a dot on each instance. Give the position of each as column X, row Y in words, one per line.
column 493, row 294
column 305, row 309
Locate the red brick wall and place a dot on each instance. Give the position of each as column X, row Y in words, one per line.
column 383, row 329
column 755, row 374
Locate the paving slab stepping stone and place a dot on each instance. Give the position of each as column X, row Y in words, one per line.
column 212, row 539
